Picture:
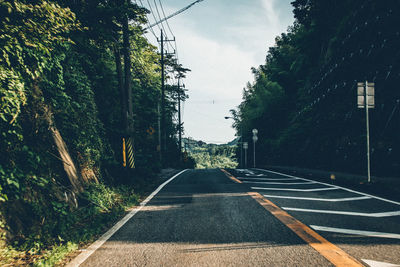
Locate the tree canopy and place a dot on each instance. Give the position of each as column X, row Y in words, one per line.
column 303, row 99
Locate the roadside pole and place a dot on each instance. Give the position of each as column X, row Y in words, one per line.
column 367, row 125
column 366, row 99
column 179, row 123
column 245, row 147
column 241, row 146
column 255, row 138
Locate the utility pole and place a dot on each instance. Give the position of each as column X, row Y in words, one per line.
column 159, row 131
column 163, row 115
column 240, row 143
column 179, row 121
column 163, row 130
column 128, row 156
column 127, row 70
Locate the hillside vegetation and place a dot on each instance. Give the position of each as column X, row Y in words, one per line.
column 209, row 156
column 304, row 98
column 75, row 78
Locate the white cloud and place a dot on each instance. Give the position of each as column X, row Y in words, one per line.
column 220, row 44
column 271, row 11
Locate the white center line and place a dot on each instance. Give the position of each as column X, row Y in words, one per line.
column 292, row 189
column 321, row 199
column 355, row 232
column 376, row 215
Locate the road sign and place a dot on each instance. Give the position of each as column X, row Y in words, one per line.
column 150, row 131
column 366, row 100
column 255, row 138
column 369, row 94
column 245, row 145
column 255, row 131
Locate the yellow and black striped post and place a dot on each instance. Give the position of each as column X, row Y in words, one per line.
column 123, row 153
column 129, row 153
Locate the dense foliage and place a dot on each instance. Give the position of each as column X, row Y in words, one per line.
column 209, row 156
column 303, row 100
column 62, row 118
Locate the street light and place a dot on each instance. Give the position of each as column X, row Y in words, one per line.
column 240, row 143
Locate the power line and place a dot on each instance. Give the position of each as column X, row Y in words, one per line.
column 166, row 21
column 176, row 13
column 159, row 19
column 155, row 19
column 147, row 21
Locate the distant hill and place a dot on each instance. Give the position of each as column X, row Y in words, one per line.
column 211, row 155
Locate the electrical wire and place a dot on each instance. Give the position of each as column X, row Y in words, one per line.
column 159, row 19
column 147, row 20
column 152, row 13
column 166, row 21
column 162, row 20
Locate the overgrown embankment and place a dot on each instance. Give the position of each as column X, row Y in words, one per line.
column 61, row 122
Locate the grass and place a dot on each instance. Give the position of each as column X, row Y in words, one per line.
column 101, row 206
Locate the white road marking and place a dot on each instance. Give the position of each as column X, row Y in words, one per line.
column 250, row 182
column 375, row 215
column 293, row 189
column 372, row 263
column 268, row 179
column 93, row 247
column 355, row 232
column 339, row 187
column 321, row 199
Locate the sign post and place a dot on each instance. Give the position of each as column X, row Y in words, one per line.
column 245, row 147
column 366, row 99
column 255, row 138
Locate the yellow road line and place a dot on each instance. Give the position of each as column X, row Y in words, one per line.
column 331, row 252
column 231, row 176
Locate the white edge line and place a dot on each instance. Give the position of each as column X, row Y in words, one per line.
column 349, row 190
column 321, row 199
column 78, row 260
column 375, row 215
column 355, row 232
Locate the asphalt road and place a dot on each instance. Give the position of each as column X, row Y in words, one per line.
column 203, row 218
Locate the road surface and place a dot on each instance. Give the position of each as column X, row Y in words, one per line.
column 253, row 218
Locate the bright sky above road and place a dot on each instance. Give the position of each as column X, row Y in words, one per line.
column 220, row 40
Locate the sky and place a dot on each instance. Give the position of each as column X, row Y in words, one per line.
column 220, row 41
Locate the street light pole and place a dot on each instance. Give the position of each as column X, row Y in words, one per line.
column 240, row 142
column 241, row 146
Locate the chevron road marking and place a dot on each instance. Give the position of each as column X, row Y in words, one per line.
column 354, row 232
column 320, row 199
column 375, row 215
column 293, row 189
